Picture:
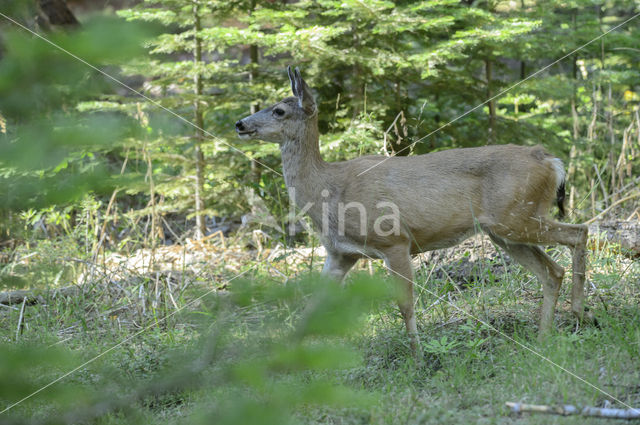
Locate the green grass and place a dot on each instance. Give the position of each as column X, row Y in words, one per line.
column 268, row 353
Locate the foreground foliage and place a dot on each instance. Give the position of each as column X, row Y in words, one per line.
column 173, row 349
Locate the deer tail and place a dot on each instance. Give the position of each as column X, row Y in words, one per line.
column 558, row 167
column 560, row 195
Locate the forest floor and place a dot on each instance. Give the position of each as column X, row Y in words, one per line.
column 142, row 322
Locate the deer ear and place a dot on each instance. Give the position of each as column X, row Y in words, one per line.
column 303, row 93
column 292, row 79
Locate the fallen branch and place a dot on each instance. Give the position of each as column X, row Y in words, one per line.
column 615, row 204
column 19, row 297
column 568, row 409
column 30, row 297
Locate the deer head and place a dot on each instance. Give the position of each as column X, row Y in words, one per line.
column 284, row 121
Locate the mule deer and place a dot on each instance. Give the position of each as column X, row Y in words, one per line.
column 436, row 200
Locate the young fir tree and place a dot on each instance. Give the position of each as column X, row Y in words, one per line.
column 206, row 68
column 584, row 106
column 377, row 64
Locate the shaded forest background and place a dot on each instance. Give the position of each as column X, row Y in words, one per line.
column 79, row 149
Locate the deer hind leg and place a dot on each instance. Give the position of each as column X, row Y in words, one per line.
column 548, row 272
column 542, row 231
column 336, row 266
column 579, row 272
column 399, row 262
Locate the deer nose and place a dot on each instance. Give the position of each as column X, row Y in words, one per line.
column 239, row 126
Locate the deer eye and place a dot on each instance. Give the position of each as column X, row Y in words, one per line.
column 279, row 112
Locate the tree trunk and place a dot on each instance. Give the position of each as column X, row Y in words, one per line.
column 199, row 121
column 256, row 172
column 488, row 67
column 612, row 141
column 573, row 153
column 56, row 13
column 591, row 136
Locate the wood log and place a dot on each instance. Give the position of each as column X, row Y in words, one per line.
column 624, row 234
column 30, row 297
column 20, row 296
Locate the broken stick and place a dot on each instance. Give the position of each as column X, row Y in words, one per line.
column 568, row 409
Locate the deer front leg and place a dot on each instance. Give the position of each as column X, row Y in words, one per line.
column 399, row 262
column 336, row 266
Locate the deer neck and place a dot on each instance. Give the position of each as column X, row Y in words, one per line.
column 302, row 165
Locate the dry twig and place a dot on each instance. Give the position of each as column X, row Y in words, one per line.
column 568, row 409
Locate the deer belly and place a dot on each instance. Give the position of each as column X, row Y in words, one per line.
column 439, row 243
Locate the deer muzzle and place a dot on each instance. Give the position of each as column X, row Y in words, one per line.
column 243, row 131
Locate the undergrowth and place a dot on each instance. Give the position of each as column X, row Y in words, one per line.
column 196, row 345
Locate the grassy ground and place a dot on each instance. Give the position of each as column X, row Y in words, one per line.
column 264, row 352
